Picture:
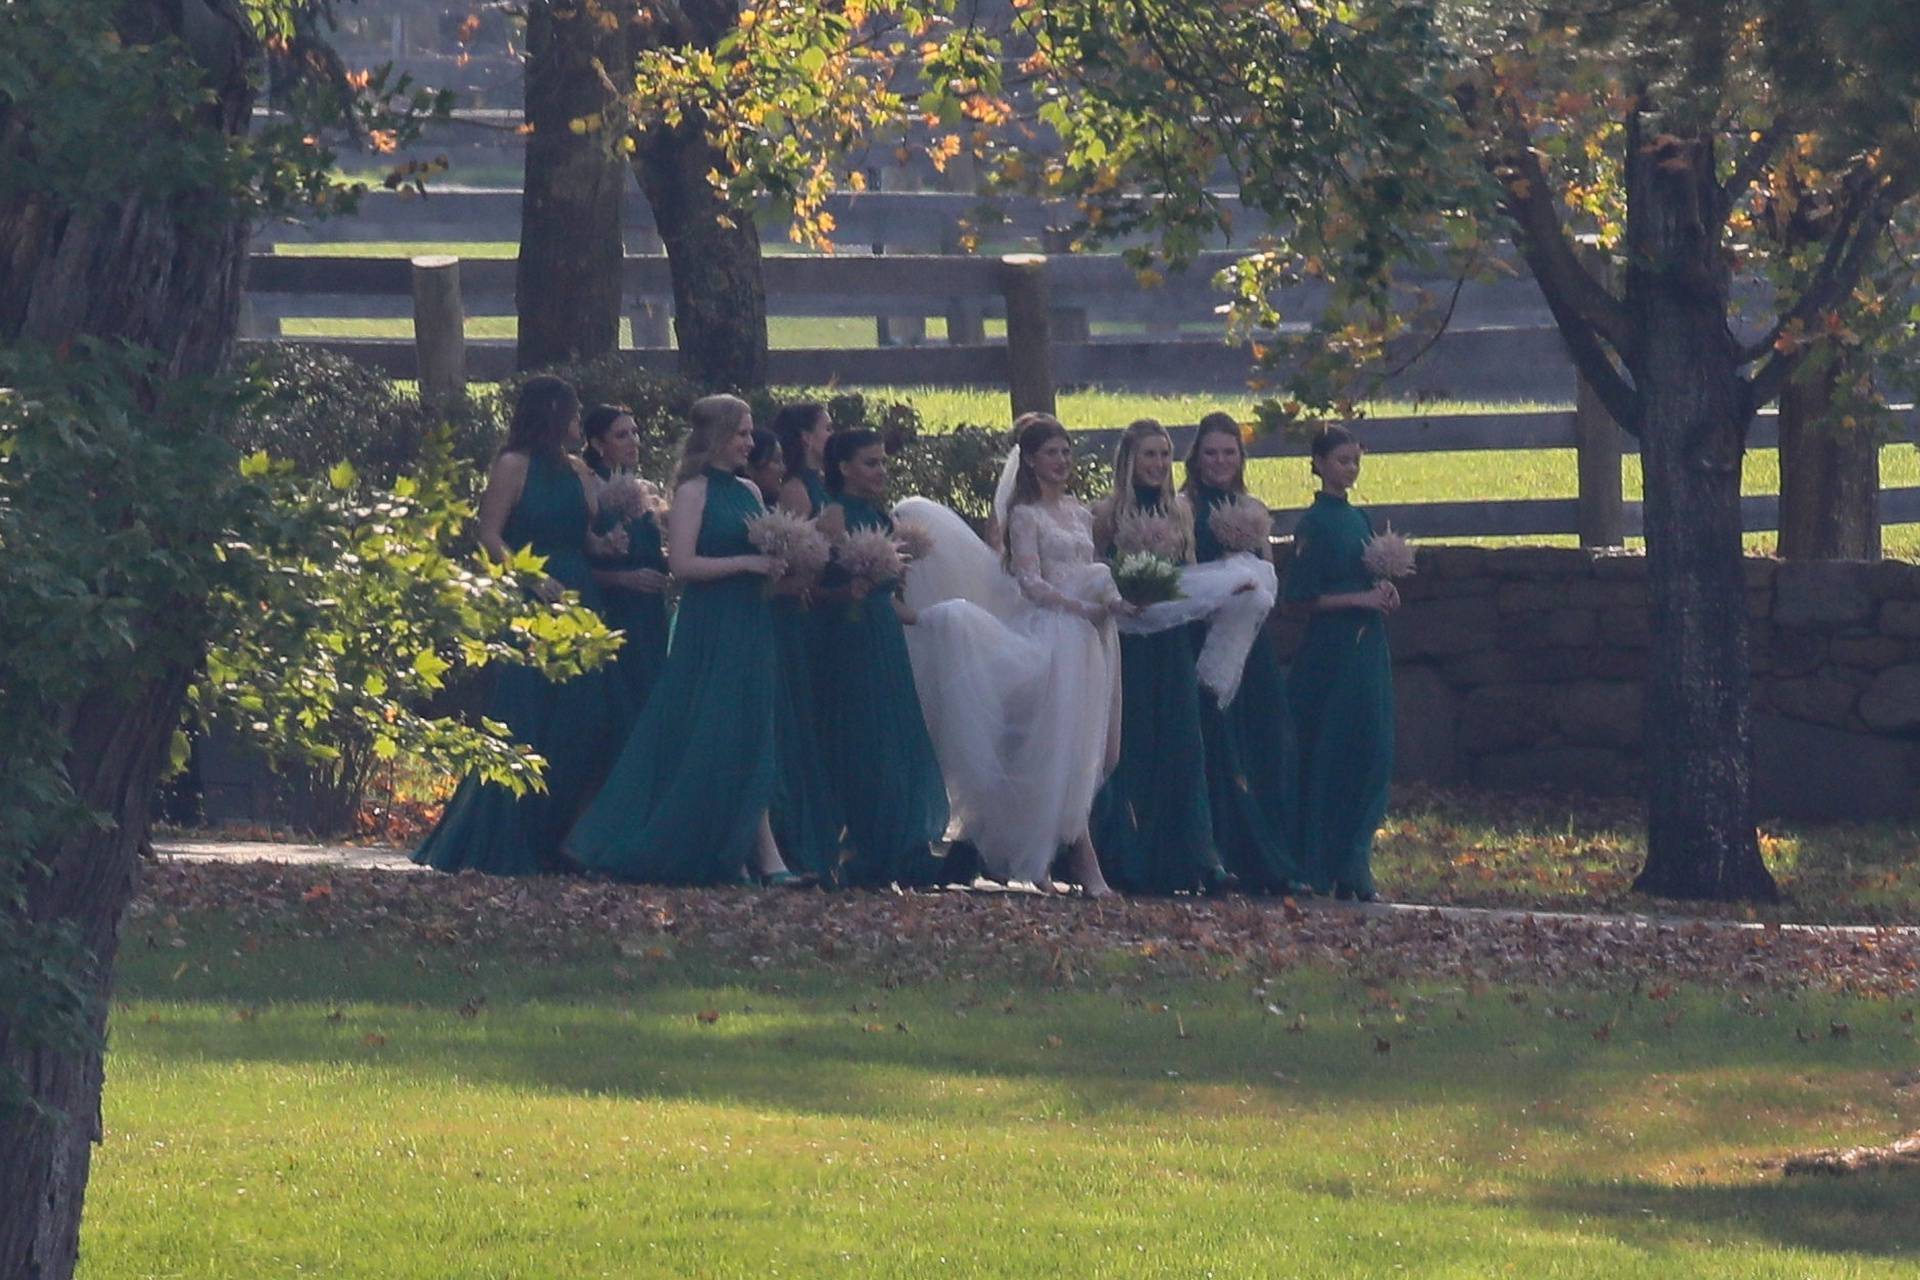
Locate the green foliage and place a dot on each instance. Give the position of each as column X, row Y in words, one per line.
column 116, row 491
column 352, row 610
column 96, row 532
column 314, row 409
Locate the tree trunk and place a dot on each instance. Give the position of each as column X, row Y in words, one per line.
column 1701, row 841
column 713, row 255
column 163, row 274
column 713, row 250
column 567, row 286
column 1829, row 475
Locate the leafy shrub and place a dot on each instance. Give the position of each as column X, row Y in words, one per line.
column 313, row 409
column 348, row 617
column 659, row 403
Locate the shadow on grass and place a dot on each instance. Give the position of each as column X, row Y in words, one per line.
column 1869, row 1214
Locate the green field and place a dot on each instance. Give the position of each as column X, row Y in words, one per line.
column 454, row 1085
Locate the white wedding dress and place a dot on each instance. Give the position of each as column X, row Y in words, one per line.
column 1019, row 675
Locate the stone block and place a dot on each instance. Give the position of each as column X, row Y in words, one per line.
column 1620, row 566
column 1896, row 580
column 1871, row 652
column 1813, row 773
column 1426, row 727
column 1540, row 562
column 1619, row 664
column 1600, row 713
column 1826, row 698
column 1453, row 562
column 1531, row 597
column 1426, row 587
column 1585, row 594
column 1500, row 718
column 1891, row 704
column 1796, row 652
column 1900, row 618
column 1626, row 627
column 1823, row 593
column 1572, row 627
column 1594, row 770
column 1440, row 627
column 1760, row 571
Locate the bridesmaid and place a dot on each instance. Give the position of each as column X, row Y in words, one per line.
column 686, row 802
column 807, row 823
column 803, row 430
column 877, row 752
column 1250, row 759
column 1342, row 687
column 536, row 497
column 634, row 585
column 1151, row 821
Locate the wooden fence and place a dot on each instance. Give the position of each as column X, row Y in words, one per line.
column 1501, row 346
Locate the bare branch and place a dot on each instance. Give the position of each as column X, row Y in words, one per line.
column 1756, row 158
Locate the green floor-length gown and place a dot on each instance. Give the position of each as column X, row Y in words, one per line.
column 1250, row 750
column 1152, row 825
column 805, row 814
column 1342, row 697
column 641, row 615
column 485, row 827
column 683, row 802
column 877, row 751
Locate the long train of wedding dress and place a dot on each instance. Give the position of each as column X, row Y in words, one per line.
column 1018, row 674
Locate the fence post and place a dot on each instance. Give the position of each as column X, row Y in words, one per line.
column 1023, row 283
column 650, row 316
column 439, row 327
column 1600, row 510
column 1070, row 324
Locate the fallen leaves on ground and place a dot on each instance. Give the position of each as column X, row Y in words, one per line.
column 926, row 936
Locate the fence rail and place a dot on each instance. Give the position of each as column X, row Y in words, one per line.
column 1501, row 346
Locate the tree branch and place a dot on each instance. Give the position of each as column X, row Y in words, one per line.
column 1847, row 256
column 1750, row 165
column 1542, row 239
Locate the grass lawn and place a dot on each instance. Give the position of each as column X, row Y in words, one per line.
column 361, row 1082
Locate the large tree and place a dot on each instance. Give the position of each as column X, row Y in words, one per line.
column 742, row 110
column 567, row 284
column 127, row 182
column 1370, row 130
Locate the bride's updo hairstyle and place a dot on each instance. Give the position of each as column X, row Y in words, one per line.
column 1216, row 424
column 710, row 420
column 1032, row 432
column 841, row 446
column 1126, row 499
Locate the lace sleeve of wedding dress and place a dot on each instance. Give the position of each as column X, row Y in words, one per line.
column 1025, row 527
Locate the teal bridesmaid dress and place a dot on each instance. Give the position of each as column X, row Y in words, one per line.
column 1342, row 699
column 1152, row 824
column 805, row 815
column 641, row 615
column 878, row 755
column 485, row 827
column 1250, row 753
column 683, row 802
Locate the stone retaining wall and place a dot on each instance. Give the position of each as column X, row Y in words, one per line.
column 1523, row 667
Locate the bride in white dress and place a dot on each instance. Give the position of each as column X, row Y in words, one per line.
column 1016, row 659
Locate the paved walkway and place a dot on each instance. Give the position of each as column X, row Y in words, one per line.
column 388, row 858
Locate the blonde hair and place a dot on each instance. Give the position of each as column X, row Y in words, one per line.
column 1168, row 504
column 710, row 420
